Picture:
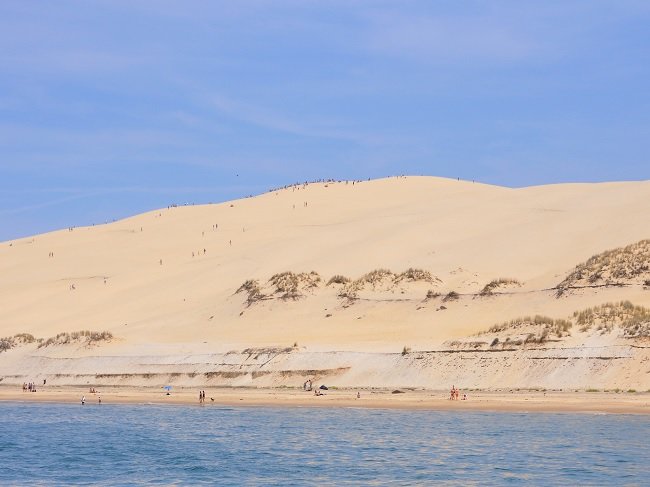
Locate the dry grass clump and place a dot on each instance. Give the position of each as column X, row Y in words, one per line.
column 24, row 338
column 310, row 280
column 288, row 285
column 284, row 285
column 252, row 290
column 414, row 275
column 376, row 277
column 463, row 345
column 338, row 279
column 451, row 296
column 491, row 286
column 633, row 320
column 351, row 289
column 381, row 277
column 610, row 268
column 7, row 343
column 431, row 294
column 90, row 337
column 543, row 326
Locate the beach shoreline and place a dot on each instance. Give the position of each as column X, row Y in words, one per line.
column 488, row 401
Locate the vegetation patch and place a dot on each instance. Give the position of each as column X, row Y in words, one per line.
column 492, row 286
column 284, row 285
column 614, row 267
column 289, row 285
column 7, row 343
column 338, row 279
column 252, row 290
column 87, row 336
column 634, row 321
column 630, row 320
column 466, row 345
column 431, row 294
column 451, row 296
column 415, row 275
column 351, row 289
column 534, row 329
column 376, row 277
column 292, row 286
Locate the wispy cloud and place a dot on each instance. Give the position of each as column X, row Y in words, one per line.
column 475, row 34
column 265, row 118
column 462, row 37
column 79, row 193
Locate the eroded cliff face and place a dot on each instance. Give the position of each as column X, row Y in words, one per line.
column 567, row 365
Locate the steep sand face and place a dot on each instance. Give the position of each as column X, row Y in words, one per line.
column 166, row 281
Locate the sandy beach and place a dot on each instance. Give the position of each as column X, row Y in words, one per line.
column 495, row 401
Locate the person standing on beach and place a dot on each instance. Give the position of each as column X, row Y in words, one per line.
column 83, row 400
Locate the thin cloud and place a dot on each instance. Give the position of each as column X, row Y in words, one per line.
column 448, row 39
column 264, row 118
column 82, row 194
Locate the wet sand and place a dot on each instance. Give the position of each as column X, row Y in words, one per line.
column 496, row 401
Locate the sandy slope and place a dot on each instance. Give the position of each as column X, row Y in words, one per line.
column 465, row 234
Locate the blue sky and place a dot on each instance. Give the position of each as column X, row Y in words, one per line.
column 112, row 108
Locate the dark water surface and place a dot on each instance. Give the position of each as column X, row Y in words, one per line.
column 126, row 445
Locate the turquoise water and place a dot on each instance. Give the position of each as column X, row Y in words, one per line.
column 126, row 445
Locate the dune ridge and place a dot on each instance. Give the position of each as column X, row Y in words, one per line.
column 341, row 277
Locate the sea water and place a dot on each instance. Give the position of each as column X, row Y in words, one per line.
column 146, row 444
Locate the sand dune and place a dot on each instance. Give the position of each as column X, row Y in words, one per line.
column 165, row 283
